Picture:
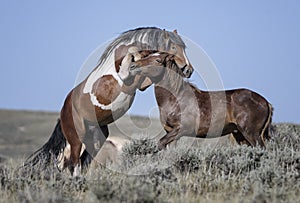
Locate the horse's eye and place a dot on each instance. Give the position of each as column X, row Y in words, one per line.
column 158, row 60
column 173, row 48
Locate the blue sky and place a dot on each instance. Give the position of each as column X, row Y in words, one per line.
column 254, row 44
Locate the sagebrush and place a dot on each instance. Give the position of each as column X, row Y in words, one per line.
column 206, row 174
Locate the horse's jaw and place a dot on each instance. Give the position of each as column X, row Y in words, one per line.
column 145, row 84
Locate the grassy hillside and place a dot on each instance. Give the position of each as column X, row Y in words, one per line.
column 23, row 132
column 206, row 172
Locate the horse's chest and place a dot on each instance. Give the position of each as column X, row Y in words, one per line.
column 108, row 113
column 121, row 103
column 107, row 95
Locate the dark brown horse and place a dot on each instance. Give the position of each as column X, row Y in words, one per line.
column 103, row 97
column 187, row 111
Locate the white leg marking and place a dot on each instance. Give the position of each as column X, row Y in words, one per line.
column 108, row 68
column 77, row 170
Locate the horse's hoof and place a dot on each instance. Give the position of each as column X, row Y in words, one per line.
column 161, row 146
column 77, row 170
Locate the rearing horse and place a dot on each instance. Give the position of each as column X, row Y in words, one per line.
column 103, row 97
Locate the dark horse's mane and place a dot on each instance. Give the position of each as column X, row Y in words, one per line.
column 146, row 38
column 175, row 77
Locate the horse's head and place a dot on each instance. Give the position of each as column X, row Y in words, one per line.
column 143, row 39
column 175, row 46
column 152, row 66
column 146, row 58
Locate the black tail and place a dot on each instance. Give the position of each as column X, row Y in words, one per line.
column 51, row 149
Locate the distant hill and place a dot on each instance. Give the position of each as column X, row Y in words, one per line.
column 23, row 132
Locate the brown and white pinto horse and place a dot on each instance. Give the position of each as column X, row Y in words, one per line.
column 103, row 97
column 187, row 111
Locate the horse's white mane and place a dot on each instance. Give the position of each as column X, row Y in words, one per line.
column 145, row 38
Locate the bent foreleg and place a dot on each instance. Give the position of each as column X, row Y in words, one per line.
column 168, row 138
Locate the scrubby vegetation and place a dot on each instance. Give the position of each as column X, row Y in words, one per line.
column 183, row 174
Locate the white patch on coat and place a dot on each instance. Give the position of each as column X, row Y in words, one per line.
column 108, row 68
column 121, row 102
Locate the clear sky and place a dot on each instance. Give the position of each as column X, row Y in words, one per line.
column 254, row 44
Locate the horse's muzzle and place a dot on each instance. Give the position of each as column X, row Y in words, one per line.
column 187, row 70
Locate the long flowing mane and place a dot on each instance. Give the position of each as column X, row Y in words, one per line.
column 146, row 38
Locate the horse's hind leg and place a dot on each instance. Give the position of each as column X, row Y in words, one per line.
column 73, row 129
column 251, row 114
column 94, row 139
column 249, row 135
column 239, row 138
column 251, row 125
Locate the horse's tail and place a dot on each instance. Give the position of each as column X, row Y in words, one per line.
column 267, row 129
column 51, row 149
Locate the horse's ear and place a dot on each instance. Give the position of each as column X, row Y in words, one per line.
column 175, row 31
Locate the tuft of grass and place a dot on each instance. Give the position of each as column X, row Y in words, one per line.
column 140, row 147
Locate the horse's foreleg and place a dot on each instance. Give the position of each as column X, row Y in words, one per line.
column 168, row 138
column 73, row 129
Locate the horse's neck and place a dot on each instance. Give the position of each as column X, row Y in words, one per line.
column 131, row 89
column 172, row 81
